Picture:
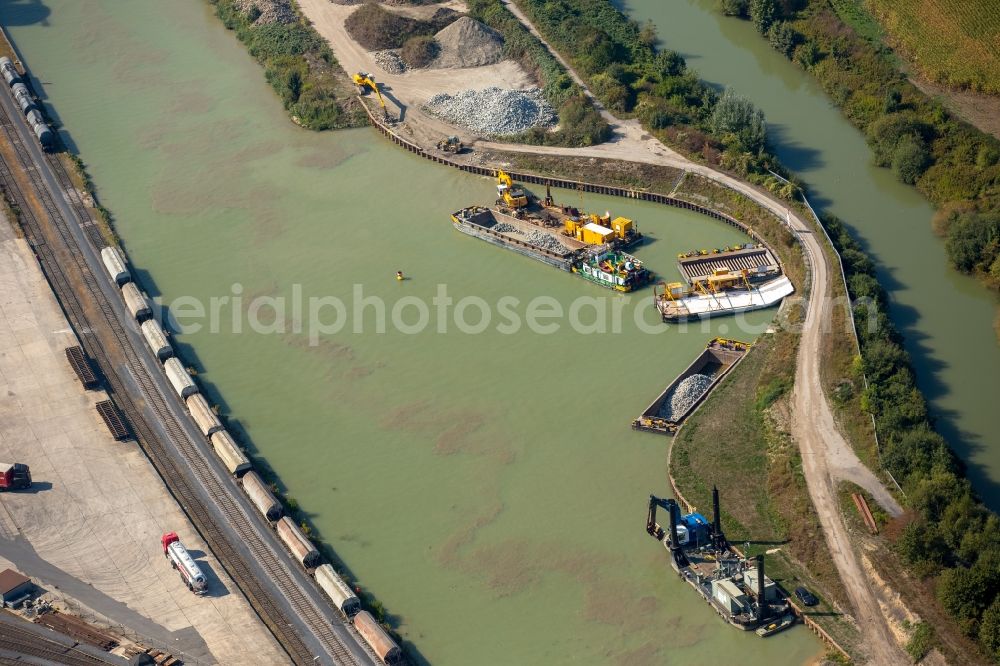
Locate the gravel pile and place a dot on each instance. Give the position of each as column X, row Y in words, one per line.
column 468, row 43
column 683, row 396
column 505, row 228
column 493, row 111
column 389, row 61
column 271, row 11
column 546, row 242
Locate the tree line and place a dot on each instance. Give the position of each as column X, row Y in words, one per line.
column 955, row 165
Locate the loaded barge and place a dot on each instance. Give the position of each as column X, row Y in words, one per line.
column 591, row 246
column 603, row 264
column 734, row 586
column 690, row 388
column 722, row 282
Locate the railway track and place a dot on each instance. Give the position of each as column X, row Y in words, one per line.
column 23, row 642
column 178, row 480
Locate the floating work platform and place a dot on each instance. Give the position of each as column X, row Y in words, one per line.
column 756, row 260
column 715, row 362
column 735, row 587
column 675, row 306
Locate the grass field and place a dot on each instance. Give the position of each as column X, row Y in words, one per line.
column 955, row 42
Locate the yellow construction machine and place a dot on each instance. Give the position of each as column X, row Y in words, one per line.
column 364, row 81
column 509, row 193
column 452, row 144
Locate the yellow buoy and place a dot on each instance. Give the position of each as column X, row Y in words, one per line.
column 399, row 276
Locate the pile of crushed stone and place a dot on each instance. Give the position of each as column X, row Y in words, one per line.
column 684, row 396
column 493, row 111
column 389, row 61
column 270, row 11
column 468, row 43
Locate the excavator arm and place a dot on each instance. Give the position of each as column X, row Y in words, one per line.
column 363, row 80
column 652, row 527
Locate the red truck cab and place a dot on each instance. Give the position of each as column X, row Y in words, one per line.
column 14, row 476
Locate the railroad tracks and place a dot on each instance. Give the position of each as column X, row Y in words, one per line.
column 61, row 245
column 22, row 641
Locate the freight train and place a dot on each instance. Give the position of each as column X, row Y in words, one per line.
column 343, row 598
column 24, row 98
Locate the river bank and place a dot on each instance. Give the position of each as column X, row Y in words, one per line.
column 365, row 424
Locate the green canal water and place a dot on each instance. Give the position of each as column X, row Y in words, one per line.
column 486, row 486
column 947, row 318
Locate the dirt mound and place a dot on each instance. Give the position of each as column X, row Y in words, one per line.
column 376, row 28
column 468, row 43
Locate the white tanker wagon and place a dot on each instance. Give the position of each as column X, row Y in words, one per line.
column 181, row 560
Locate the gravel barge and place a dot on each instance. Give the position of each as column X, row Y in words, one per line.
column 690, row 388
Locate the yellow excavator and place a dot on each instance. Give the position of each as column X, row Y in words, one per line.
column 364, row 81
column 510, row 194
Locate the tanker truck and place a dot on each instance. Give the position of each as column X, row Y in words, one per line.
column 181, row 560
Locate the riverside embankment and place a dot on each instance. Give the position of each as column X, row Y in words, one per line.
column 408, row 449
column 942, row 314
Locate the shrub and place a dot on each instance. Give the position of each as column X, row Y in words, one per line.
column 736, row 116
column 763, row 13
column 783, row 38
column 910, row 159
column 419, row 51
column 735, row 7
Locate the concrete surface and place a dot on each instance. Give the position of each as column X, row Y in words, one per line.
column 91, row 525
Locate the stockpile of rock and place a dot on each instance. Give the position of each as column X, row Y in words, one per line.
column 267, row 11
column 467, row 43
column 493, row 111
column 683, row 396
column 389, row 61
column 546, row 242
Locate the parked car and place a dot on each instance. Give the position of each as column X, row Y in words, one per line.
column 806, row 597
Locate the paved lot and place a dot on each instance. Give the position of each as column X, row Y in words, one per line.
column 91, row 527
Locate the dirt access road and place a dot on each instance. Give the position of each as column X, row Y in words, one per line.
column 827, row 458
column 406, row 93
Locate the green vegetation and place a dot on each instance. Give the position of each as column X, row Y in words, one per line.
column 299, row 66
column 579, row 122
column 950, row 162
column 624, row 69
column 419, row 51
column 950, row 41
column 948, row 535
column 921, row 641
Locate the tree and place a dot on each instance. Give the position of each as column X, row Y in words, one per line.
column 736, row 116
column 762, row 14
column 910, row 159
column 783, row 38
column 989, row 629
column 735, row 8
column 647, row 35
column 807, row 54
column 892, row 100
column 974, row 241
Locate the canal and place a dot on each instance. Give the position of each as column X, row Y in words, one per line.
column 947, row 317
column 483, row 484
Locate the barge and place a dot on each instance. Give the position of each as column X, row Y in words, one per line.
column 604, row 264
column 723, row 282
column 713, row 363
column 736, row 587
